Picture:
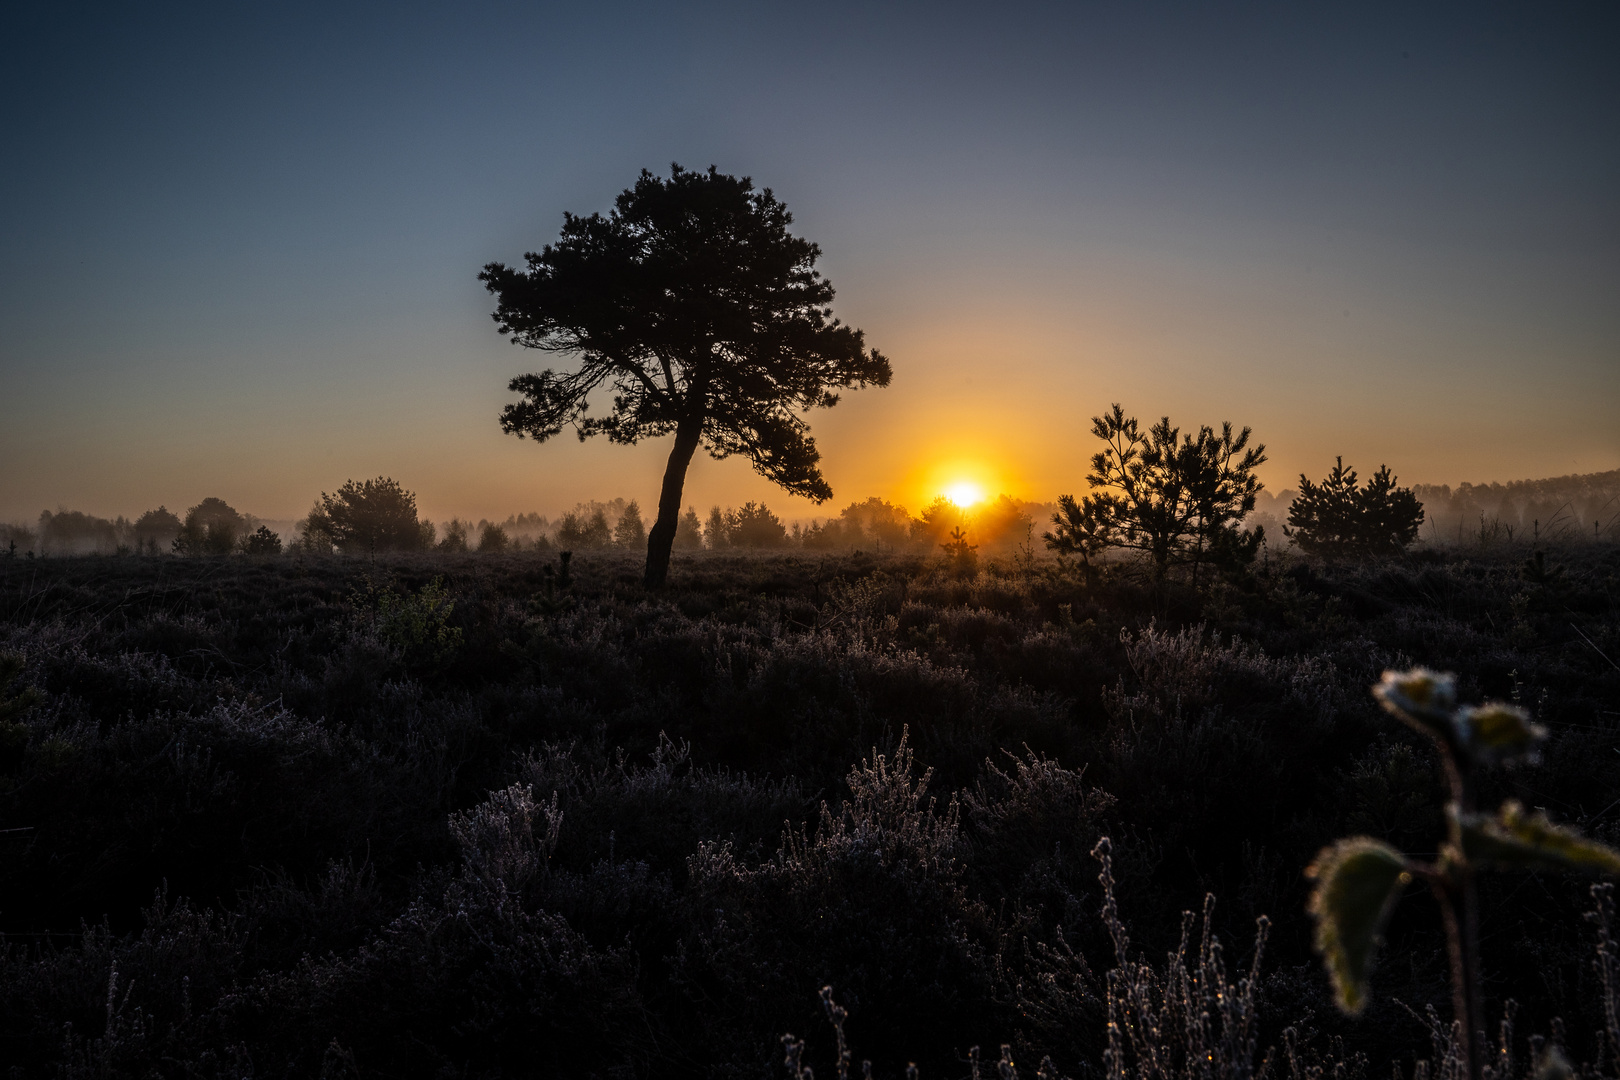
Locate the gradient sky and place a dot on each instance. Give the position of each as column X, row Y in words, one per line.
column 239, row 243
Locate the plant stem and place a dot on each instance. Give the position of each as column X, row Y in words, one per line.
column 1460, row 998
column 1459, row 906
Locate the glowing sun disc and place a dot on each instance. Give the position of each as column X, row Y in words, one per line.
column 964, row 493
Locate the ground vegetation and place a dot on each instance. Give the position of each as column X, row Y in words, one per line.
column 492, row 814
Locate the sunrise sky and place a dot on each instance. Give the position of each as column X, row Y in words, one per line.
column 239, row 243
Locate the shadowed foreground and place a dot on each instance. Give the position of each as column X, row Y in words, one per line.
column 446, row 816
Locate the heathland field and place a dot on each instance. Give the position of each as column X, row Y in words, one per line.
column 460, row 815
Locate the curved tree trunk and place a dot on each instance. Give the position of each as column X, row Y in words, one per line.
column 662, row 535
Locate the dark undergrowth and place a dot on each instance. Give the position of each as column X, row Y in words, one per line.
column 435, row 816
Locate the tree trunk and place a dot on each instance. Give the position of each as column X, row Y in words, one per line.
column 661, row 538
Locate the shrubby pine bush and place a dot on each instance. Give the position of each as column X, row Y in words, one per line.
column 1339, row 517
column 492, row 539
column 262, row 542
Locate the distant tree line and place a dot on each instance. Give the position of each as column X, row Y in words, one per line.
column 212, row 527
column 1179, row 502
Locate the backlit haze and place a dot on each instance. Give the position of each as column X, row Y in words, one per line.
column 239, row 243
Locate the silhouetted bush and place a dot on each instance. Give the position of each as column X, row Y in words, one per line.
column 630, row 533
column 1340, row 518
column 584, row 530
column 155, row 531
column 492, row 539
column 370, row 516
column 262, row 542
column 212, row 527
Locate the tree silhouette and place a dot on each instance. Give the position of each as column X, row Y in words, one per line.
column 492, row 539
column 752, row 525
column 156, row 530
column 693, row 305
column 373, row 515
column 583, row 528
column 1176, row 498
column 689, row 533
column 211, row 528
column 1339, row 517
column 630, row 532
column 962, row 555
column 262, row 542
column 716, row 532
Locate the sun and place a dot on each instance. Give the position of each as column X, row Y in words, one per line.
column 964, row 493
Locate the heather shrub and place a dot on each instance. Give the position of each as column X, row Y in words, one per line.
column 661, row 810
column 871, row 898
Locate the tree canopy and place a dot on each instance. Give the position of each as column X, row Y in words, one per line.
column 370, row 515
column 695, row 309
column 211, row 528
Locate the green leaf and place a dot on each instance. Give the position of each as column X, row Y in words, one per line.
column 1357, row 883
column 1519, row 841
column 1496, row 731
column 1423, row 699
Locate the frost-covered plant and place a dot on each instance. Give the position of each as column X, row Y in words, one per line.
column 1185, row 1020
column 500, row 846
column 1181, row 1022
column 1360, row 879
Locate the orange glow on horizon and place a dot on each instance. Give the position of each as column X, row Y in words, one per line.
column 965, row 481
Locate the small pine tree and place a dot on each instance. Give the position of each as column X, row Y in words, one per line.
column 455, row 536
column 492, row 539
column 1340, row 518
column 262, row 542
column 689, row 532
column 1082, row 527
column 963, row 556
column 630, row 532
column 1176, row 498
column 716, row 532
column 754, row 526
column 372, row 515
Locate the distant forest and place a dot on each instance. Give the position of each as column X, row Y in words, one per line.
column 1565, row 508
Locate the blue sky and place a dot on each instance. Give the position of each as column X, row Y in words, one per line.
column 239, row 244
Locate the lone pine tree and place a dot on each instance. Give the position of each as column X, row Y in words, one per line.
column 692, row 304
